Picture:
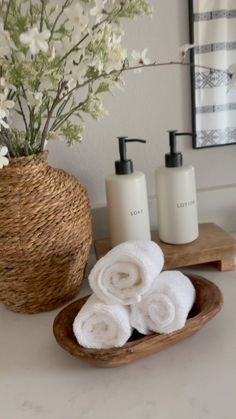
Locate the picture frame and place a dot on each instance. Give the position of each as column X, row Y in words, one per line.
column 212, row 25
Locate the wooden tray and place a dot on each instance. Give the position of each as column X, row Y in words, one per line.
column 208, row 302
column 213, row 245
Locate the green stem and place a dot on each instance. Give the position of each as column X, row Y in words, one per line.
column 7, row 13
column 67, row 116
column 73, row 48
column 62, row 107
column 59, row 112
column 42, row 13
column 31, row 14
column 177, row 63
column 79, row 86
column 23, row 116
column 155, row 64
column 4, row 138
column 24, row 92
column 50, row 114
column 32, row 134
column 57, row 124
column 67, row 3
column 38, row 127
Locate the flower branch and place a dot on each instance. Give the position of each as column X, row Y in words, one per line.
column 43, row 4
column 176, row 63
column 94, row 27
column 7, row 13
column 56, row 101
column 58, row 62
column 64, row 6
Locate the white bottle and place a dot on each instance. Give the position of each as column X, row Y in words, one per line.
column 176, row 198
column 127, row 202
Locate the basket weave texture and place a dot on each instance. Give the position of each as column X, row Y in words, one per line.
column 45, row 235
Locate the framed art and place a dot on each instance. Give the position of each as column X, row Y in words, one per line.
column 213, row 32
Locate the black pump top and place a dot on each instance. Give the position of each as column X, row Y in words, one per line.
column 174, row 158
column 124, row 166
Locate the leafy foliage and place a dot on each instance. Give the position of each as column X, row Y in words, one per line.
column 55, row 62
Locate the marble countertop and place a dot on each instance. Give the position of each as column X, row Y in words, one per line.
column 194, row 379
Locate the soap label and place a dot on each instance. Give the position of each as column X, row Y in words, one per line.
column 136, row 212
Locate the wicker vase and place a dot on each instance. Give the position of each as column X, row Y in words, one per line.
column 45, row 235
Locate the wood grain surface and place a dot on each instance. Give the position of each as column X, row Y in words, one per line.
column 208, row 302
column 212, row 245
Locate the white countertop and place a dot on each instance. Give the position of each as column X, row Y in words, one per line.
column 194, row 379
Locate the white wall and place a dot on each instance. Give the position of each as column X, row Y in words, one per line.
column 153, row 102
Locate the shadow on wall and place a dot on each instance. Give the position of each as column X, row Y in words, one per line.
column 100, row 223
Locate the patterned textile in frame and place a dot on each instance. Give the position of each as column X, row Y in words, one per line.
column 214, row 103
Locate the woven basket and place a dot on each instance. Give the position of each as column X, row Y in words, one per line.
column 45, row 235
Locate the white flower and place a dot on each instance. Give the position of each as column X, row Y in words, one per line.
column 20, row 56
column 34, row 99
column 76, row 17
column 77, row 75
column 5, row 104
column 53, row 55
column 97, row 10
column 117, row 56
column 73, row 61
column 62, row 46
column 5, row 85
column 6, row 43
column 95, row 107
column 52, row 10
column 36, row 40
column 2, row 122
column 185, row 48
column 3, row 160
column 119, row 84
column 232, row 71
column 139, row 58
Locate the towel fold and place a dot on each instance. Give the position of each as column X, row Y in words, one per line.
column 127, row 272
column 100, row 326
column 165, row 308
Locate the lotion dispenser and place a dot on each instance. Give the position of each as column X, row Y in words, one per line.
column 176, row 197
column 127, row 202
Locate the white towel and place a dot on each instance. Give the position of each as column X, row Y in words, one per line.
column 100, row 326
column 127, row 272
column 165, row 308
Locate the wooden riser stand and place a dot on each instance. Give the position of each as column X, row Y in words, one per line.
column 213, row 245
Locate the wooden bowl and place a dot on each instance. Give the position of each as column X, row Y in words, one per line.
column 208, row 302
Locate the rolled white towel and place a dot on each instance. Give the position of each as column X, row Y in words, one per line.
column 100, row 326
column 127, row 272
column 165, row 308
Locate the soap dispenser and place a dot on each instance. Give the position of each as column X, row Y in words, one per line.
column 176, row 197
column 127, row 202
